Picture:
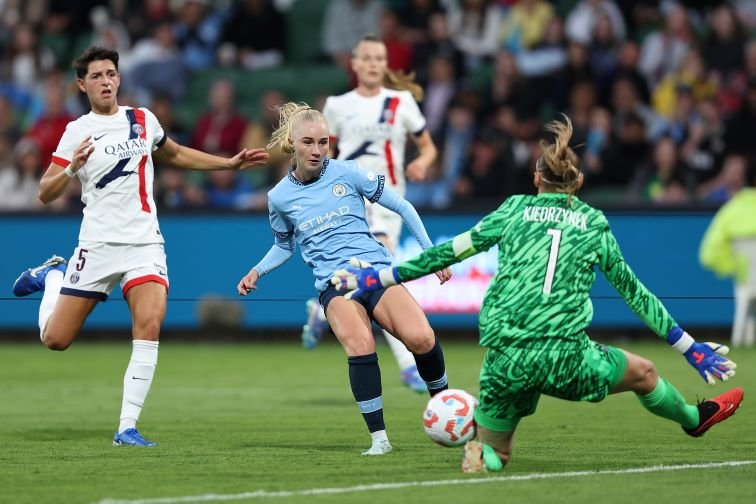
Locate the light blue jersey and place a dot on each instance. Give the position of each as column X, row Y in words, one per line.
column 326, row 218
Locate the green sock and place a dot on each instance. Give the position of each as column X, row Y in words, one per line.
column 665, row 401
column 491, row 458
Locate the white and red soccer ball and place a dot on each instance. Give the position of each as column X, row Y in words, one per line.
column 448, row 417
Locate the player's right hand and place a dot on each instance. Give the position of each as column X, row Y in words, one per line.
column 248, row 282
column 708, row 359
column 247, row 158
column 81, row 154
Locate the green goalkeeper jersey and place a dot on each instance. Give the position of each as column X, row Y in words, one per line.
column 549, row 246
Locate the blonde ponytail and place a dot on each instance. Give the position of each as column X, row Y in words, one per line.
column 403, row 82
column 558, row 164
column 290, row 115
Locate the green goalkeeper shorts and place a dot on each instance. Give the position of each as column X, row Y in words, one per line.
column 513, row 379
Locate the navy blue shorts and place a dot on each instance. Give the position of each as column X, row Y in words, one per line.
column 368, row 300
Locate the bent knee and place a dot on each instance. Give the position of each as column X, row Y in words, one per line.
column 420, row 341
column 357, row 343
column 56, row 340
column 645, row 375
column 647, row 369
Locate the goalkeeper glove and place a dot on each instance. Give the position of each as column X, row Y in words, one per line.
column 363, row 277
column 707, row 357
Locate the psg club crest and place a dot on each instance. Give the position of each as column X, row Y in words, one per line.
column 137, row 128
column 339, row 190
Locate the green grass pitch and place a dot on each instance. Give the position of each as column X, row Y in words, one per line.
column 236, row 418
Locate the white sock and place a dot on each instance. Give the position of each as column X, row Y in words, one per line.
column 53, row 283
column 403, row 356
column 137, row 381
column 378, row 435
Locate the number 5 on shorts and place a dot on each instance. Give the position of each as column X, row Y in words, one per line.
column 556, row 237
column 82, row 260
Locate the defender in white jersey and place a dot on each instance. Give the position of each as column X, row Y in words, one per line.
column 111, row 151
column 370, row 124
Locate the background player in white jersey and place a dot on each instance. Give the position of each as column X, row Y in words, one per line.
column 320, row 205
column 111, row 151
column 371, row 124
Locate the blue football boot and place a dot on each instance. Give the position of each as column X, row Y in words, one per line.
column 33, row 279
column 316, row 326
column 411, row 378
column 131, row 437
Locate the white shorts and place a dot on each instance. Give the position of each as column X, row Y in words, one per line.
column 96, row 267
column 383, row 221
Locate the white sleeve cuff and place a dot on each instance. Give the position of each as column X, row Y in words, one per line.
column 386, row 276
column 684, row 343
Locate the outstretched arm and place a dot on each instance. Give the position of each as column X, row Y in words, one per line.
column 707, row 358
column 478, row 239
column 644, row 303
column 187, row 158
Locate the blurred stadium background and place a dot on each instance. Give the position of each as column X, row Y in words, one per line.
column 662, row 95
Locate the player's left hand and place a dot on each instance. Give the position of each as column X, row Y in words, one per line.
column 708, row 359
column 247, row 158
column 444, row 275
column 416, row 171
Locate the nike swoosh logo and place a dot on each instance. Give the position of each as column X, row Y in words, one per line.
column 98, row 137
column 137, row 378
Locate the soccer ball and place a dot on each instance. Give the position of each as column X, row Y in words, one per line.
column 448, row 417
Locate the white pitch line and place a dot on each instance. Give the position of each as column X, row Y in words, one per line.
column 432, row 483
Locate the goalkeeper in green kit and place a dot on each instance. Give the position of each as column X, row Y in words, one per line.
column 537, row 308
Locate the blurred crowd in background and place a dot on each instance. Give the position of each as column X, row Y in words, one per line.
column 662, row 94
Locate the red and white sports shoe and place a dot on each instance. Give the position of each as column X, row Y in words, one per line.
column 716, row 409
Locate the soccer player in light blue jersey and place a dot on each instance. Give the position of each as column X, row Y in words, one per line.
column 371, row 124
column 320, row 206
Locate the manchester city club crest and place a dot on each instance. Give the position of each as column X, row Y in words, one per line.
column 74, row 277
column 339, row 190
column 137, row 128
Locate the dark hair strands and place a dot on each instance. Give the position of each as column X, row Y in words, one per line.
column 95, row 53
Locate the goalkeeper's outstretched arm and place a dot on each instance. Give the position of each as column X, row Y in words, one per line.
column 437, row 258
column 707, row 358
column 363, row 277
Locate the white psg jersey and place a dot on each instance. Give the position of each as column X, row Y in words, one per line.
column 116, row 180
column 373, row 130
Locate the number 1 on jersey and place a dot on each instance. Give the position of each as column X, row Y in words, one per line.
column 556, row 237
